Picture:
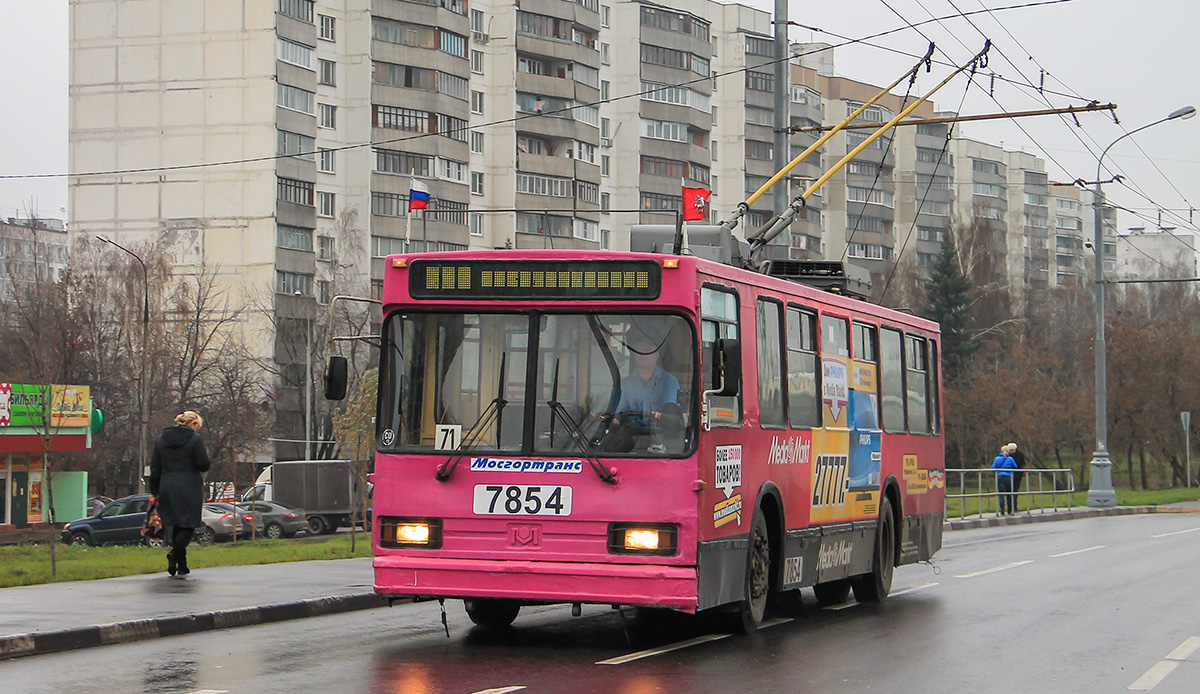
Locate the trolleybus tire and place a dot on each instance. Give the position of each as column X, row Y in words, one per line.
column 317, row 525
column 832, row 592
column 875, row 586
column 753, row 607
column 491, row 612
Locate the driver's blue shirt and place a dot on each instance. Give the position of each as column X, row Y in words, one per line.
column 648, row 396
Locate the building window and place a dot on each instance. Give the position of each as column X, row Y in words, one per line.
column 605, row 11
column 476, row 142
column 383, row 246
column 760, row 81
column 476, row 102
column 605, row 163
column 476, row 183
column 293, row 283
column 605, row 235
column 477, row 21
column 326, row 163
column 295, row 99
column 451, row 170
column 324, row 291
column 477, row 62
column 475, row 221
column 325, row 204
column 295, row 53
column 328, row 115
column 295, row 144
column 298, row 192
column 295, row 238
column 604, row 202
column 985, row 166
column 325, row 246
column 756, row 149
column 391, row 161
column 328, row 74
column 297, row 9
column 604, row 54
column 389, row 204
column 990, row 190
column 869, row 195
column 326, row 27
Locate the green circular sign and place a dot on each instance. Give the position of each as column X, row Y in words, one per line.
column 97, row 421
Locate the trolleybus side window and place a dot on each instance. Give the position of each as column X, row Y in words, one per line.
column 835, row 370
column 771, row 408
column 803, row 384
column 935, row 412
column 891, row 380
column 918, row 383
column 719, row 319
column 864, row 381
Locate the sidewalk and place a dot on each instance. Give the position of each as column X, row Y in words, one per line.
column 63, row 616
column 55, row 617
column 991, row 520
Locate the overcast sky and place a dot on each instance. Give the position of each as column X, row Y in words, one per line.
column 1144, row 56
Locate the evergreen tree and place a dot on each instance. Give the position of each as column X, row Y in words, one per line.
column 948, row 303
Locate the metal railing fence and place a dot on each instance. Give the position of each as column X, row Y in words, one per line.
column 976, row 488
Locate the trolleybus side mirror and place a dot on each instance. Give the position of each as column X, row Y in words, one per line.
column 727, row 367
column 336, row 376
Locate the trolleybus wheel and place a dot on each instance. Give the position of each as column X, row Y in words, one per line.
column 832, row 592
column 875, row 586
column 317, row 525
column 491, row 612
column 758, row 577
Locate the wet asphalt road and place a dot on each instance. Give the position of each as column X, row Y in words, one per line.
column 1092, row 605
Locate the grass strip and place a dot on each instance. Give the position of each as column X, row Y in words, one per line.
column 30, row 564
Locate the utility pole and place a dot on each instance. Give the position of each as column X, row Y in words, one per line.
column 783, row 120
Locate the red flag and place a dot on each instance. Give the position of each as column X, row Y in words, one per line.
column 695, row 204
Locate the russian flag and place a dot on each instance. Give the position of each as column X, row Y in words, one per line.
column 418, row 196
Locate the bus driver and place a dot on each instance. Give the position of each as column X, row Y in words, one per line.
column 648, row 393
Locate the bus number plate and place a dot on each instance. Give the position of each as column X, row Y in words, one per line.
column 522, row 500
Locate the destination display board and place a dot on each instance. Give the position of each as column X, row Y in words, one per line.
column 535, row 279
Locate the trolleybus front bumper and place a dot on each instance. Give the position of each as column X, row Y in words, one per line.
column 534, row 581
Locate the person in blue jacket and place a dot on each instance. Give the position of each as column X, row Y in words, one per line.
column 1004, row 465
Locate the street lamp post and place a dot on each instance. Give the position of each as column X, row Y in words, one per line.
column 1100, row 489
column 145, row 472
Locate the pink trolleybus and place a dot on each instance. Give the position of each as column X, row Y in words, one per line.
column 649, row 430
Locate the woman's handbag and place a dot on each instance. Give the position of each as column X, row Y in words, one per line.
column 152, row 527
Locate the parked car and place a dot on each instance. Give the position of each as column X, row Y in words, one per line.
column 97, row 503
column 248, row 519
column 279, row 519
column 219, row 525
column 119, row 522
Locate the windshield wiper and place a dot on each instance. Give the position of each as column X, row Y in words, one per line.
column 559, row 411
column 490, row 413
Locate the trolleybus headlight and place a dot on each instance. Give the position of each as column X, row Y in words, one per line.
column 656, row 539
column 425, row 533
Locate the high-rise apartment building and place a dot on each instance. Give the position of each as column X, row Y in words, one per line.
column 535, row 180
column 31, row 250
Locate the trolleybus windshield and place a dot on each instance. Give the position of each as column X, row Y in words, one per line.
column 597, row 384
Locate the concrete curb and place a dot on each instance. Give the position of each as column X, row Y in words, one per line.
column 1072, row 514
column 39, row 643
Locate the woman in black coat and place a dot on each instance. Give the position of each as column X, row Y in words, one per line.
column 179, row 458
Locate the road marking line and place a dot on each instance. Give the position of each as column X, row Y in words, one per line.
column 501, row 690
column 210, row 691
column 1177, row 532
column 621, row 660
column 1186, row 649
column 914, row 589
column 843, row 606
column 1153, row 676
column 1076, row 551
column 774, row 622
column 994, row 569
